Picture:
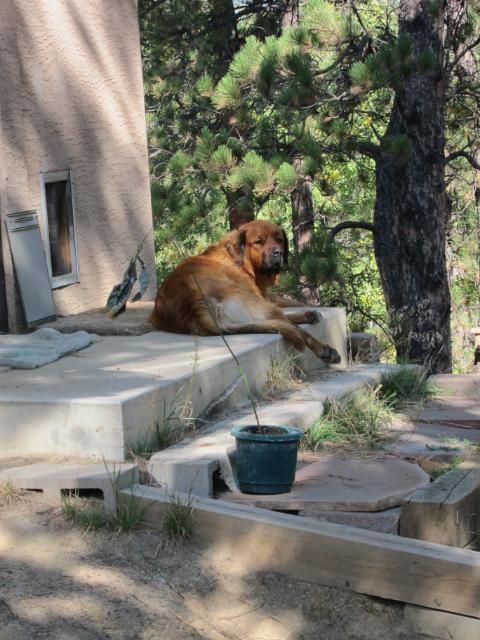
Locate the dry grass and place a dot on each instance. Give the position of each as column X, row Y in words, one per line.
column 9, row 493
column 361, row 420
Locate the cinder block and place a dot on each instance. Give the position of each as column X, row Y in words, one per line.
column 53, row 479
column 186, row 476
column 441, row 624
column 446, row 511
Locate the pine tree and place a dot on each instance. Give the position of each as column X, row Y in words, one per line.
column 337, row 85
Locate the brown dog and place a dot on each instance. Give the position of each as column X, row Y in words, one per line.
column 224, row 290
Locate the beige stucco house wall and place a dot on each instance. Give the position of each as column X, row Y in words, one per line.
column 71, row 98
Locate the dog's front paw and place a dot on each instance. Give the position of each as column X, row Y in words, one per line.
column 312, row 317
column 333, row 357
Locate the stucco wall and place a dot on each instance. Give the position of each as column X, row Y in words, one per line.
column 71, row 97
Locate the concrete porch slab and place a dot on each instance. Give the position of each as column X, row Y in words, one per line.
column 102, row 401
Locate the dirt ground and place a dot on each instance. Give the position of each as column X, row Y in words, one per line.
column 58, row 582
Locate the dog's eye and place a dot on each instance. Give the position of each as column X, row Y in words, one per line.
column 259, row 241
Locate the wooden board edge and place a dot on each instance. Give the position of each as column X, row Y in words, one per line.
column 251, row 540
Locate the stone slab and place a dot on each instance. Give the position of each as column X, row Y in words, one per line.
column 454, row 410
column 458, row 385
column 343, row 483
column 52, row 479
column 102, row 403
column 441, row 625
column 425, row 440
column 383, row 521
column 446, row 511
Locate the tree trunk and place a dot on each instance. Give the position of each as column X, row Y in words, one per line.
column 289, row 13
column 411, row 206
column 222, row 36
column 302, row 215
column 240, row 208
column 302, row 202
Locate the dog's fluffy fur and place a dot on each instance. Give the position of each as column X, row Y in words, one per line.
column 225, row 290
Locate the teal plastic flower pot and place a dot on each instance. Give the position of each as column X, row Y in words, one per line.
column 266, row 458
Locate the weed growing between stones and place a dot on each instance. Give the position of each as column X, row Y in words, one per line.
column 405, row 386
column 283, row 373
column 454, row 463
column 90, row 515
column 360, row 420
column 175, row 422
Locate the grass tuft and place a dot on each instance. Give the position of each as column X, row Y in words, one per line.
column 175, row 423
column 129, row 512
column 283, row 373
column 88, row 513
column 440, row 471
column 8, row 493
column 406, row 385
column 360, row 420
column 178, row 519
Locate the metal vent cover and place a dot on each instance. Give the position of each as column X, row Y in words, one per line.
column 30, row 264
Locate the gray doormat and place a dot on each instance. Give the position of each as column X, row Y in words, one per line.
column 40, row 347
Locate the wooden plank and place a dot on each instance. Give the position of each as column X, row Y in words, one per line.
column 377, row 564
column 3, row 289
column 446, row 511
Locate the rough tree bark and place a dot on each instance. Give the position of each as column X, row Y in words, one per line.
column 301, row 199
column 302, row 212
column 411, row 205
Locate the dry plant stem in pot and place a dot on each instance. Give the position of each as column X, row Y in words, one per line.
column 266, row 455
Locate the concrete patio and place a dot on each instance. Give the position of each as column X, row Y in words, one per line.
column 103, row 400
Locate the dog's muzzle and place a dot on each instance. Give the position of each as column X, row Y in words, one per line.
column 273, row 262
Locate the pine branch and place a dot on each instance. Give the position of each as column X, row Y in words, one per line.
column 463, row 154
column 350, row 224
column 463, row 53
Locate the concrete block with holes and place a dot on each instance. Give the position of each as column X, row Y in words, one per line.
column 56, row 480
column 446, row 511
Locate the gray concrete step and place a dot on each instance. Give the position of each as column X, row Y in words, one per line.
column 190, row 465
column 107, row 399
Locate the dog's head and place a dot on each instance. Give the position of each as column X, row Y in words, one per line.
column 259, row 247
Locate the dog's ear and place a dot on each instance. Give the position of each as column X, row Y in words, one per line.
column 235, row 245
column 285, row 248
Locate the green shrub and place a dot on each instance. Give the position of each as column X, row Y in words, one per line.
column 406, row 385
